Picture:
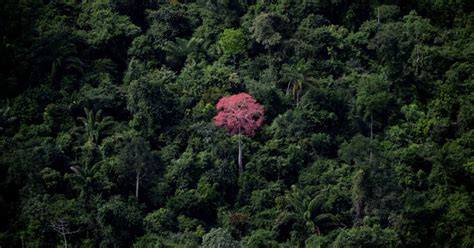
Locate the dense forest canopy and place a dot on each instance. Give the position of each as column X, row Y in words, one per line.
column 108, row 133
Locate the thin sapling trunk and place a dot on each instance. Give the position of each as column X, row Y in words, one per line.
column 241, row 168
column 137, row 184
column 371, row 155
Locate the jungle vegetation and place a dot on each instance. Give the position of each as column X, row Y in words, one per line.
column 108, row 133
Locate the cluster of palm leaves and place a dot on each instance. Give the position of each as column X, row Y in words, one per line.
column 298, row 76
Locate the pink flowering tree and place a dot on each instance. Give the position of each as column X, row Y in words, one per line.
column 240, row 114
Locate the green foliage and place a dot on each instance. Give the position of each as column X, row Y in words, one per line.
column 259, row 239
column 147, row 97
column 99, row 24
column 114, row 218
column 159, row 220
column 372, row 94
column 367, row 237
column 219, row 238
column 232, row 41
column 107, row 137
column 265, row 29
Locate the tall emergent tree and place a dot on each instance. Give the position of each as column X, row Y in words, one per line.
column 239, row 114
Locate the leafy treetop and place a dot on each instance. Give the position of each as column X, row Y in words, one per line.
column 239, row 114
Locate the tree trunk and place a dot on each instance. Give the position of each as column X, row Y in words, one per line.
column 65, row 240
column 359, row 195
column 288, row 87
column 371, row 126
column 359, row 209
column 378, row 15
column 371, row 155
column 298, row 97
column 241, row 168
column 137, row 185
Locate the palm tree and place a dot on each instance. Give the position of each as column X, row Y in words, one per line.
column 86, row 168
column 64, row 59
column 298, row 76
column 62, row 64
column 306, row 213
column 94, row 125
column 85, row 177
column 178, row 51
